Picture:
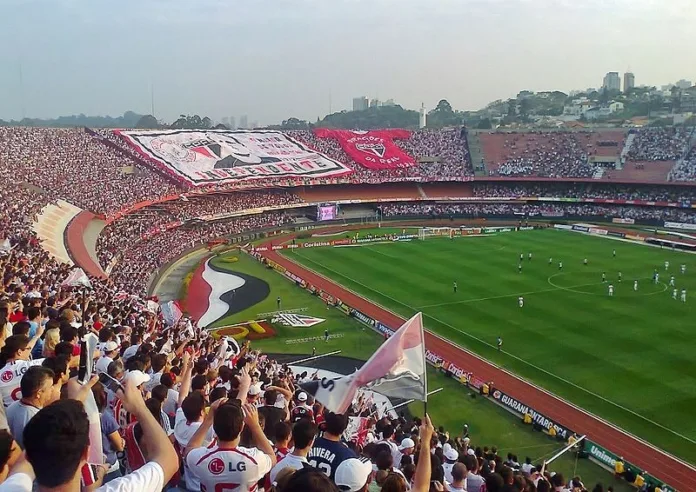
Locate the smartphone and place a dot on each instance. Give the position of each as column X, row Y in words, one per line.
column 112, row 384
column 82, row 371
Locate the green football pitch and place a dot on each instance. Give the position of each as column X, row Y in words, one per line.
column 628, row 358
column 488, row 424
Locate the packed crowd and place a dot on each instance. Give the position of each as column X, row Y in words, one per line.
column 448, row 145
column 588, row 211
column 659, row 144
column 685, row 169
column 118, row 236
column 142, row 259
column 77, row 167
column 585, row 191
column 552, row 155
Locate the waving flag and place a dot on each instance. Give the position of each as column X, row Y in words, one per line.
column 77, row 278
column 171, row 312
column 396, row 369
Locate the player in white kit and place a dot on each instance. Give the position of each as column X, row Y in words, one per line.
column 683, row 295
column 671, row 281
column 674, row 294
column 611, row 290
column 520, row 301
column 529, row 256
column 635, row 285
column 666, row 265
column 683, row 269
column 521, row 256
column 657, row 277
column 550, row 260
column 560, row 265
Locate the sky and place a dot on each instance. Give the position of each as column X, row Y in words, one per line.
column 274, row 59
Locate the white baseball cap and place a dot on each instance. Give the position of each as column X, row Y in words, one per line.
column 352, row 474
column 110, row 346
column 302, row 396
column 407, row 443
column 450, row 453
column 138, row 377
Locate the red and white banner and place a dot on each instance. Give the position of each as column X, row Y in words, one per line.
column 374, row 149
column 395, row 370
column 204, row 157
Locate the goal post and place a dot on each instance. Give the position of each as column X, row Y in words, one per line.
column 428, row 232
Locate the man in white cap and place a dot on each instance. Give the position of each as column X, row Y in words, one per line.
column 110, row 353
column 406, row 448
column 451, row 457
column 254, row 394
column 353, row 475
column 301, row 409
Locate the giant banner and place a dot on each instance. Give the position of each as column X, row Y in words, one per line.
column 374, row 149
column 204, row 157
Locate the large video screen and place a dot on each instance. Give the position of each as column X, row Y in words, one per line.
column 327, row 211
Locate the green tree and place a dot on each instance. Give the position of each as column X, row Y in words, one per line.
column 147, row 122
column 443, row 116
column 484, row 124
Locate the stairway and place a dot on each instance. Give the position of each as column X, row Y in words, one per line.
column 421, row 191
column 475, row 153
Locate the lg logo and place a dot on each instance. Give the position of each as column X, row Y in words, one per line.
column 216, row 466
column 6, row 376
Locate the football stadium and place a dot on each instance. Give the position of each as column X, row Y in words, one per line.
column 385, row 300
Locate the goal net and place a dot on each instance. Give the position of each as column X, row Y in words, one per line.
column 426, row 232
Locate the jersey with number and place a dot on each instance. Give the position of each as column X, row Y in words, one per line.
column 228, row 469
column 11, row 376
column 327, row 455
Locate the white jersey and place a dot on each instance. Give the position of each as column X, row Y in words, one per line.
column 520, row 301
column 671, row 281
column 666, row 265
column 229, row 469
column 674, row 293
column 683, row 268
column 683, row 296
column 635, row 285
column 10, row 377
column 611, row 290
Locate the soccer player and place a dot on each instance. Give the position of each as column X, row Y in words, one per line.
column 613, row 253
column 635, row 285
column 674, row 294
column 584, row 262
column 560, row 265
column 620, row 276
column 326, row 335
column 657, row 277
column 520, row 301
column 529, row 256
column 683, row 269
column 521, row 256
column 278, row 303
column 454, row 286
column 671, row 280
column 500, row 343
column 519, row 268
column 666, row 265
column 550, row 260
column 604, row 277
column 683, row 295
column 611, row 290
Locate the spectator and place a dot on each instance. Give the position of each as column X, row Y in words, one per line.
column 37, row 392
column 303, row 435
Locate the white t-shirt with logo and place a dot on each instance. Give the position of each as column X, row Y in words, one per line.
column 10, row 377
column 229, row 469
column 183, row 432
column 148, row 478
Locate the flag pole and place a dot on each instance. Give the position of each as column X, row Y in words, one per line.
column 425, row 374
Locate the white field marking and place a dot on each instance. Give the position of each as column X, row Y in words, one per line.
column 628, row 282
column 519, row 359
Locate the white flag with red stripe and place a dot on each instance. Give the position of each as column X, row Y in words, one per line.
column 396, row 369
column 77, row 278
